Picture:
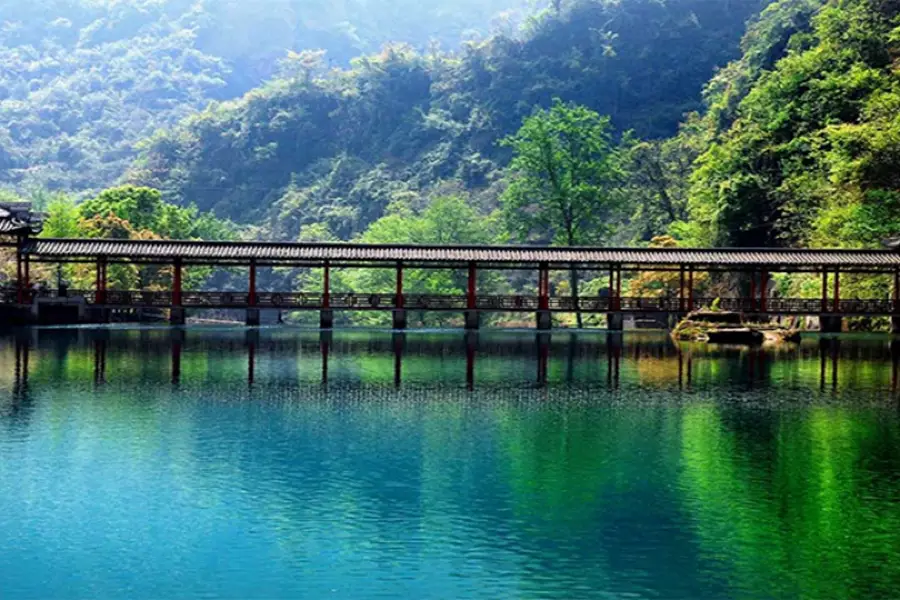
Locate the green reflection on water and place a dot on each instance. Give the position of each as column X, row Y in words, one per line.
column 636, row 467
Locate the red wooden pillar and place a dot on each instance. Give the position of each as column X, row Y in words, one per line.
column 544, row 287
column 691, row 289
column 619, row 288
column 752, row 290
column 612, row 287
column 897, row 291
column 471, row 297
column 326, row 286
column 824, row 290
column 251, row 296
column 176, row 284
column 764, row 292
column 20, row 274
column 398, row 301
column 27, row 267
column 837, row 291
column 101, row 283
column 681, row 283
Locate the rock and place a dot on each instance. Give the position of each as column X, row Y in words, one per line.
column 738, row 335
column 716, row 316
column 721, row 327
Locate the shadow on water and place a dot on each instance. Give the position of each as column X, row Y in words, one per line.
column 272, row 462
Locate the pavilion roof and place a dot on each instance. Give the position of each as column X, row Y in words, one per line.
column 17, row 218
column 345, row 253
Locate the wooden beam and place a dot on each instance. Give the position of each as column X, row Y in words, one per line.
column 101, row 283
column 176, row 284
column 326, row 286
column 398, row 302
column 472, row 296
column 544, row 286
column 837, row 291
column 251, row 296
column 691, row 289
column 897, row 291
column 29, row 296
column 752, row 291
column 619, row 288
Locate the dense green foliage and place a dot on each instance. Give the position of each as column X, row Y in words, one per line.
column 339, row 147
column 129, row 213
column 803, row 150
column 83, row 81
column 564, row 178
column 794, row 142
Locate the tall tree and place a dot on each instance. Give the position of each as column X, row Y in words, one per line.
column 565, row 171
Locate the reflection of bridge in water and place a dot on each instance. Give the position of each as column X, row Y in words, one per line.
column 756, row 267
column 602, row 356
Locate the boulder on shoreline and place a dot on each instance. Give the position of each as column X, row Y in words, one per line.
column 724, row 327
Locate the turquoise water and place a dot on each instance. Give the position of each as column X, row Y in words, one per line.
column 284, row 464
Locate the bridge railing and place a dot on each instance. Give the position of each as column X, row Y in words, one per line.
column 496, row 303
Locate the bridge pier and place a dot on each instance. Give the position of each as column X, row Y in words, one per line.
column 253, row 317
column 473, row 320
column 177, row 315
column 615, row 322
column 98, row 314
column 544, row 320
column 831, row 324
column 399, row 320
column 326, row 319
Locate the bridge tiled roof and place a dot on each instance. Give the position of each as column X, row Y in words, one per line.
column 195, row 251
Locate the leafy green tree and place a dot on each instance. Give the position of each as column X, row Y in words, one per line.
column 144, row 209
column 447, row 220
column 564, row 175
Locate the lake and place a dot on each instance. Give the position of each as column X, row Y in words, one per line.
column 284, row 463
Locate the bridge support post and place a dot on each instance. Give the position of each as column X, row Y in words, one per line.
column 97, row 315
column 837, row 291
column 690, row 305
column 399, row 315
column 253, row 316
column 831, row 324
column 472, row 317
column 544, row 318
column 615, row 320
column 895, row 320
column 21, row 285
column 100, row 314
column 326, row 315
column 176, row 313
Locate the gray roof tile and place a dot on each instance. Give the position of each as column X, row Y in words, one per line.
column 243, row 251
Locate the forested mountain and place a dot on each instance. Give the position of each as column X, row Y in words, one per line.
column 708, row 122
column 806, row 149
column 315, row 147
column 82, row 81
